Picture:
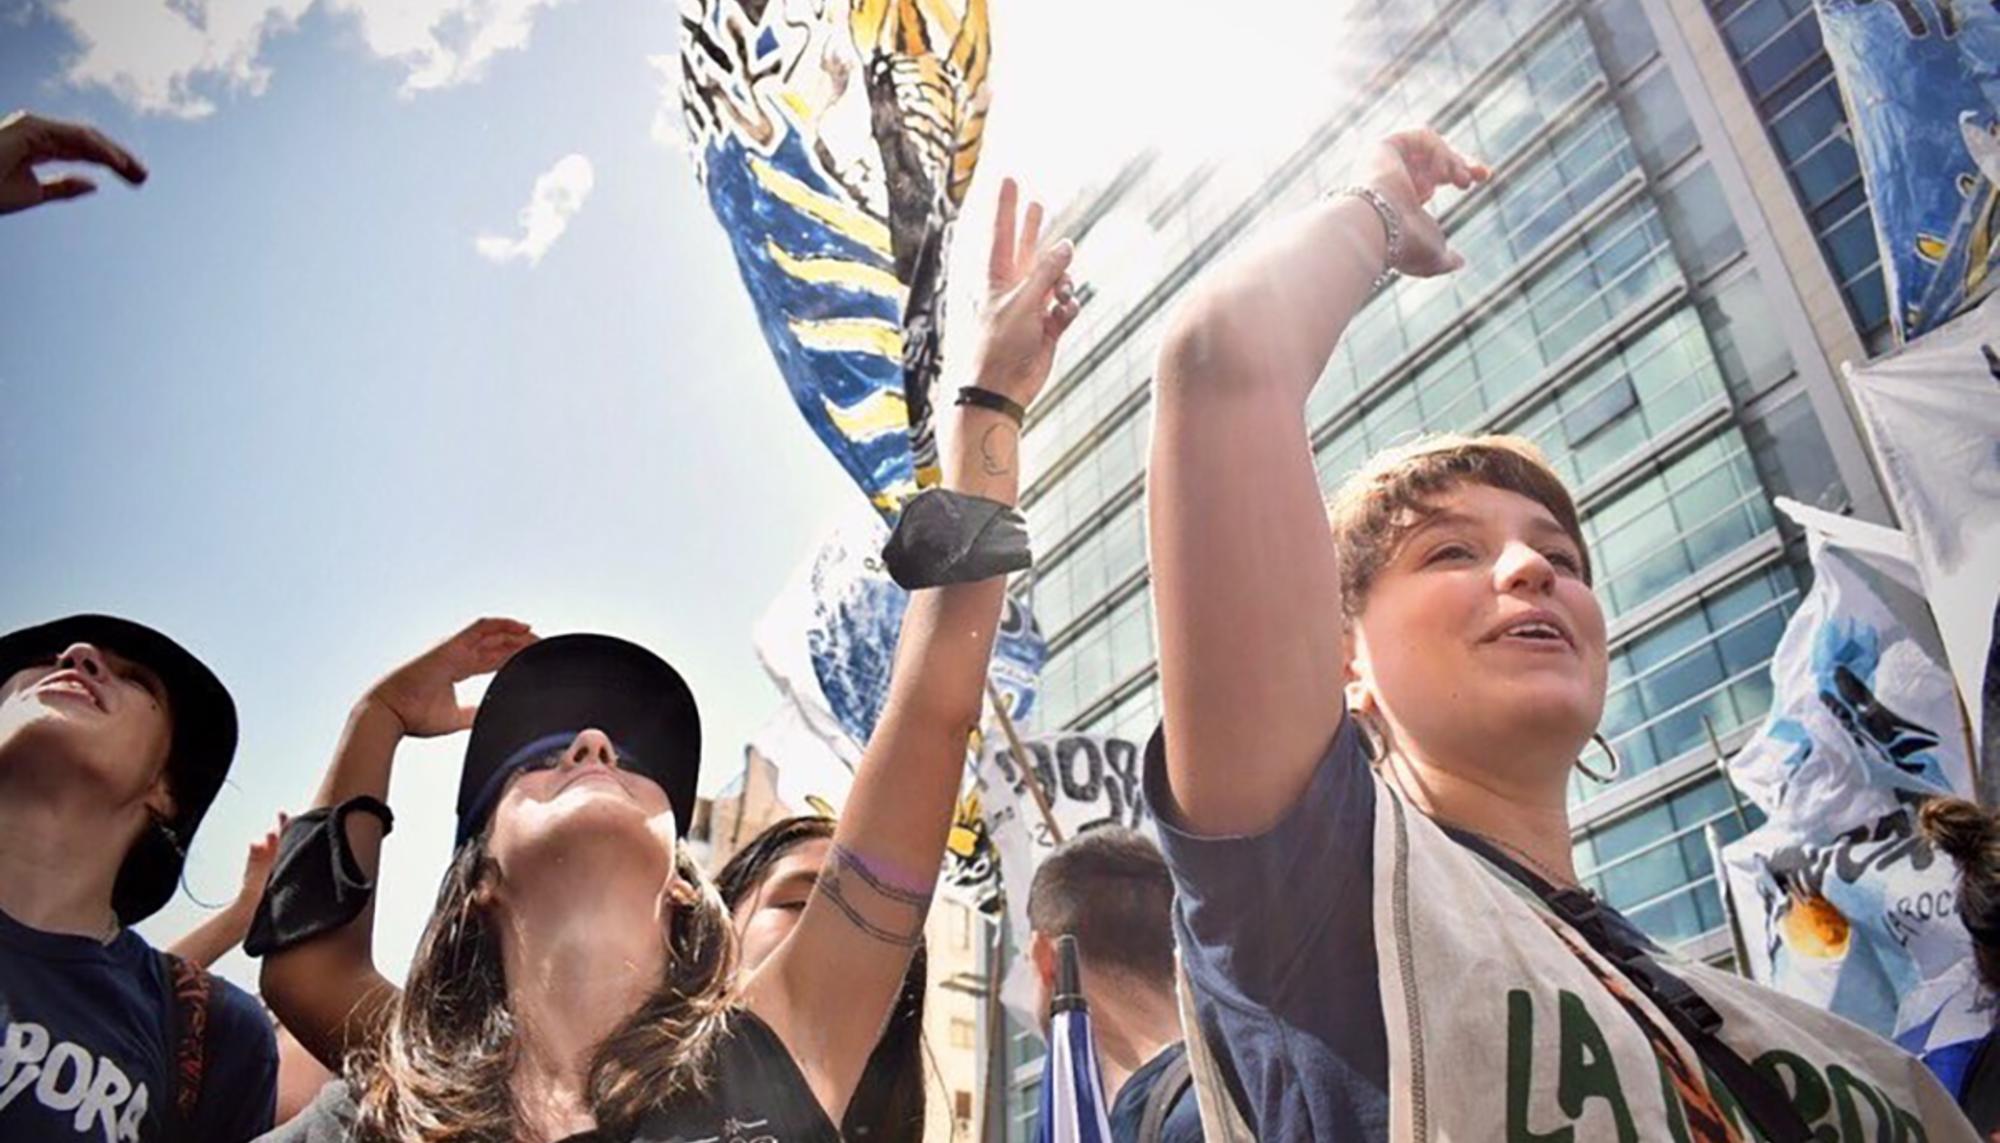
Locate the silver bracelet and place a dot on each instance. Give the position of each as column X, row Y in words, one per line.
column 1392, row 225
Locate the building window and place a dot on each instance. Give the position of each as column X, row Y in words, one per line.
column 1777, row 49
column 963, row 1033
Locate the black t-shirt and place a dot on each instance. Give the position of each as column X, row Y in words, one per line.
column 84, row 1053
column 757, row 1094
column 1128, row 1111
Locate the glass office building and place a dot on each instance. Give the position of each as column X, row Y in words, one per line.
column 1623, row 306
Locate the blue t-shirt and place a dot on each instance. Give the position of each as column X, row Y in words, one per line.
column 84, row 1053
column 1278, row 935
column 1128, row 1111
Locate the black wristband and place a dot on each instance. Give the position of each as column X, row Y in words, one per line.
column 988, row 399
column 316, row 885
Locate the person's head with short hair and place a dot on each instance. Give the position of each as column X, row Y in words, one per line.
column 122, row 733
column 1110, row 889
column 1469, row 615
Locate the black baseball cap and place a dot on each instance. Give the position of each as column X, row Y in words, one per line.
column 552, row 690
column 198, row 755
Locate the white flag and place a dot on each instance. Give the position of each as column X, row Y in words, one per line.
column 1090, row 780
column 1932, row 412
column 829, row 638
column 1839, row 902
column 812, row 778
column 1861, row 715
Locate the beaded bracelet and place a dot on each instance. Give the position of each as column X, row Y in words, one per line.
column 1392, row 225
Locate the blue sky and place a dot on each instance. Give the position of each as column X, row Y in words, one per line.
column 278, row 403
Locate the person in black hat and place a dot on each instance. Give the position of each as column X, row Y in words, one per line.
column 578, row 977
column 113, row 743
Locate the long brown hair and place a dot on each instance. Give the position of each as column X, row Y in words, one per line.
column 1970, row 835
column 443, row 1071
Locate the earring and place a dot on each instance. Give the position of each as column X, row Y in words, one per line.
column 166, row 831
column 1604, row 776
column 1374, row 738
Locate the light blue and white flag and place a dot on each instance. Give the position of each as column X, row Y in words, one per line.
column 1072, row 1085
column 829, row 639
column 1839, row 901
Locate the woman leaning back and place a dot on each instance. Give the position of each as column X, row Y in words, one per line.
column 578, row 977
column 1401, row 950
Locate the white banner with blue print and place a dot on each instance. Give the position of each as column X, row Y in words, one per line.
column 1839, row 902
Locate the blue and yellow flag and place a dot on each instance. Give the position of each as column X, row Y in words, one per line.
column 836, row 140
column 1922, row 85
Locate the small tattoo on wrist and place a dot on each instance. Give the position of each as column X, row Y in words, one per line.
column 996, row 450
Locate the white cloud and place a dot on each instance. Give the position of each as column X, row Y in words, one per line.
column 444, row 42
column 558, row 195
column 170, row 57
column 155, row 55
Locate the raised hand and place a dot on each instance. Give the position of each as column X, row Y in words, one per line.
column 1407, row 168
column 1028, row 302
column 421, row 693
column 27, row 140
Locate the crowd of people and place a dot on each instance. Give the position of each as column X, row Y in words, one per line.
column 1362, row 922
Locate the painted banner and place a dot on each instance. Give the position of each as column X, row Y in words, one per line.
column 1839, row 902
column 1922, row 85
column 811, row 777
column 1000, row 835
column 829, row 639
column 1932, row 414
column 1861, row 714
column 836, row 140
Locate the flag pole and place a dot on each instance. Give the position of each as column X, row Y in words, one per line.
column 995, row 1080
column 1027, row 763
column 1722, row 765
column 1736, row 942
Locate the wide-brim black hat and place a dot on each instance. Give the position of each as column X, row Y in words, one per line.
column 559, row 686
column 203, row 742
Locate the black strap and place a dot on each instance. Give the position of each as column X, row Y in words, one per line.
column 1174, row 1080
column 998, row 402
column 1760, row 1097
column 189, row 990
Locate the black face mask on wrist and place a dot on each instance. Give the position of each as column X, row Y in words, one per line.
column 945, row 537
column 316, row 885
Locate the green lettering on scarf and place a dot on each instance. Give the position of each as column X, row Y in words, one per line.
column 1588, row 1072
column 1800, row 1080
column 1520, row 1072
column 1845, row 1087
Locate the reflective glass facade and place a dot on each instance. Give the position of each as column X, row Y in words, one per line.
column 1777, row 50
column 1609, row 311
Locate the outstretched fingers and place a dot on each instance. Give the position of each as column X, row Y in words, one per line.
column 1000, row 262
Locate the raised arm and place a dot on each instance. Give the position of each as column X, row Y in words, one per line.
column 211, row 940
column 829, row 988
column 327, row 990
column 1246, row 584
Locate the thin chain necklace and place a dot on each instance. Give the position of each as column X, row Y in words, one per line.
column 1550, row 875
column 1547, row 874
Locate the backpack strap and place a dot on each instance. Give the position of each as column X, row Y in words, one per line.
column 1221, row 1120
column 1174, row 1080
column 189, row 989
column 1762, row 1099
